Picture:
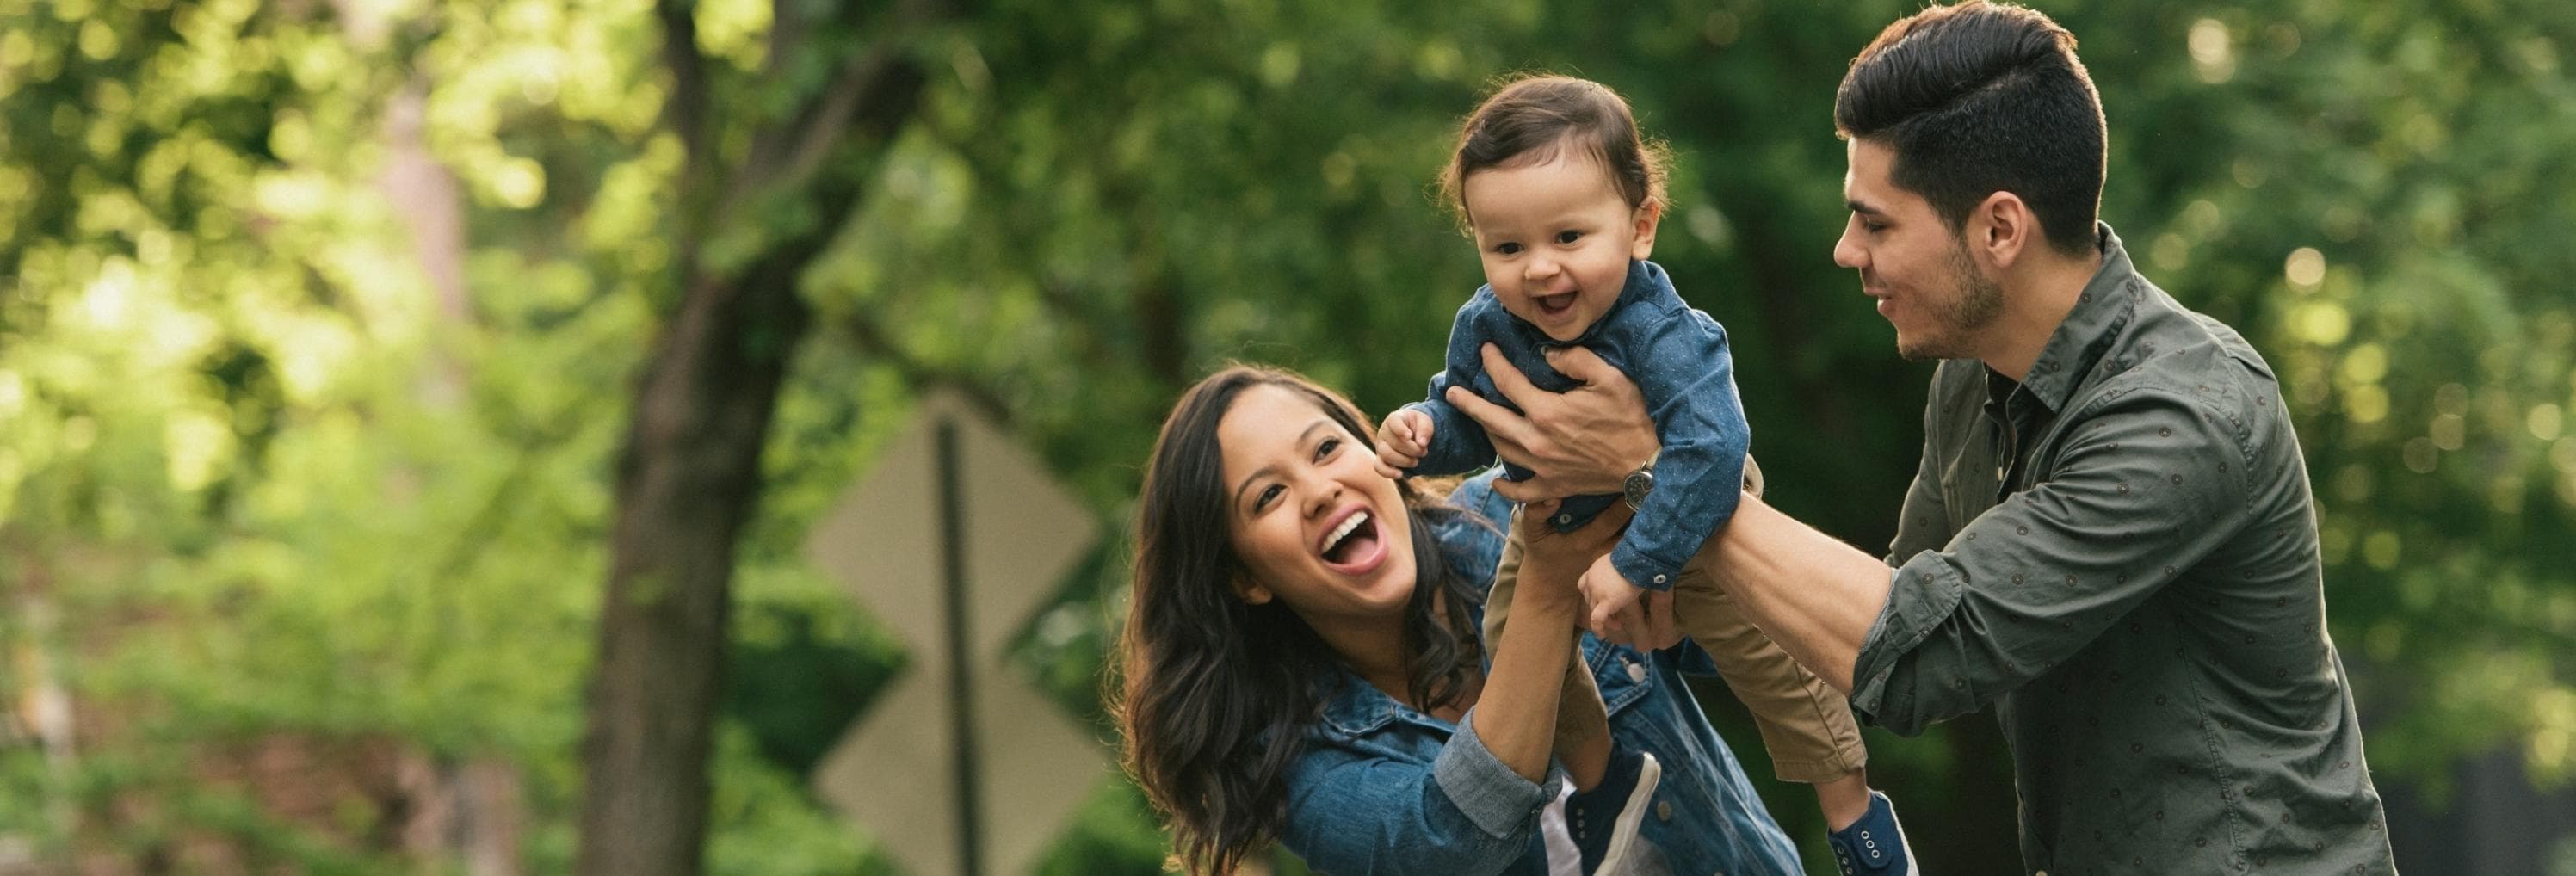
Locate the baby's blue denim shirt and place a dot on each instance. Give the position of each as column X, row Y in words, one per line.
column 1380, row 788
column 1676, row 354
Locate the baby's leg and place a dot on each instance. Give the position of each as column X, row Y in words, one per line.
column 1582, row 726
column 1806, row 725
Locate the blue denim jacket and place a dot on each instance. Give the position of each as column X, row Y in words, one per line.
column 1381, row 788
column 1678, row 357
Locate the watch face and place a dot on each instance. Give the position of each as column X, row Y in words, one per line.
column 1638, row 485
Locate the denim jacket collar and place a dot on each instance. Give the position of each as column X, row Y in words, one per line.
column 1354, row 707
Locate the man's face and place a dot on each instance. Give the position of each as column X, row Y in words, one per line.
column 1911, row 262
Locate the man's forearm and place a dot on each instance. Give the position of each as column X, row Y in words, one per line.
column 1811, row 593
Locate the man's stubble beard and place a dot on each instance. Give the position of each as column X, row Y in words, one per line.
column 1975, row 304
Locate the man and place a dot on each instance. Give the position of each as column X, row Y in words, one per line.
column 2110, row 536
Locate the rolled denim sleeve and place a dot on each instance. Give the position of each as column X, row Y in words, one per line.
column 1467, row 813
column 2152, row 483
column 1688, row 379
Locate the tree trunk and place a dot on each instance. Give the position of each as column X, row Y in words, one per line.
column 689, row 474
column 686, row 481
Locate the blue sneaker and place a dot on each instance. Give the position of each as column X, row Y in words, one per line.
column 1603, row 821
column 1875, row 844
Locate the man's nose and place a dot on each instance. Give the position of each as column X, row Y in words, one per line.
column 1847, row 251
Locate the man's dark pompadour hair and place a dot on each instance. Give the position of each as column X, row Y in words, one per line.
column 1978, row 98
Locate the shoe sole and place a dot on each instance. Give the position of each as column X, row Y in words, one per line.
column 1903, row 841
column 1632, row 814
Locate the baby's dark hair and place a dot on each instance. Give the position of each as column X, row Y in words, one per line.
column 1533, row 119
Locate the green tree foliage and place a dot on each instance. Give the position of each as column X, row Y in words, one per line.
column 262, row 476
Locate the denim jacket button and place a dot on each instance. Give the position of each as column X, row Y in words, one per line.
column 1636, row 670
column 1663, row 810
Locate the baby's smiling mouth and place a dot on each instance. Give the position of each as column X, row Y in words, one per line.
column 1555, row 305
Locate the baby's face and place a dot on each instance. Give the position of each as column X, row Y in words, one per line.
column 1556, row 239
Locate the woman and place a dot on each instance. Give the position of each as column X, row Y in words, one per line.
column 1302, row 662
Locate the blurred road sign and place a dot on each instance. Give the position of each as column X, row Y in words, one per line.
column 962, row 766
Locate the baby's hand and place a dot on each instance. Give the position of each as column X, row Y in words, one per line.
column 1402, row 440
column 1611, row 599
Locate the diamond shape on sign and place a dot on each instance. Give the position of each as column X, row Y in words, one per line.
column 1038, row 766
column 895, row 771
column 895, row 774
column 882, row 540
column 1022, row 533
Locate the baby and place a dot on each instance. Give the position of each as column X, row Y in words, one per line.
column 1562, row 197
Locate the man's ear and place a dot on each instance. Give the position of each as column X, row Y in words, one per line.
column 1647, row 216
column 2001, row 228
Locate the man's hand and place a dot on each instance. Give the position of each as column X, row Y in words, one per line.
column 1611, row 602
column 1583, row 441
column 1402, row 440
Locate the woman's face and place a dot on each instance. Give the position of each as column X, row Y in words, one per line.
column 1315, row 524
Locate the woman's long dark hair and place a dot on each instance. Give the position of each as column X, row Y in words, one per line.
column 1217, row 690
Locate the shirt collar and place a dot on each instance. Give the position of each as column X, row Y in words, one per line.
column 2101, row 311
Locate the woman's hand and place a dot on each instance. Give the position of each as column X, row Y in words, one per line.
column 1551, row 561
column 1583, row 441
column 1659, row 630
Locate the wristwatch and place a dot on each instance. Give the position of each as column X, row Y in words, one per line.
column 1639, row 483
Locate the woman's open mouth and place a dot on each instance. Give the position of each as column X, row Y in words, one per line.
column 1354, row 546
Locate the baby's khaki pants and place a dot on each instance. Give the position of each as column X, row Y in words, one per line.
column 1806, row 726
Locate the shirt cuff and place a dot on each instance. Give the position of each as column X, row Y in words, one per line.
column 1642, row 571
column 1497, row 799
column 1920, row 594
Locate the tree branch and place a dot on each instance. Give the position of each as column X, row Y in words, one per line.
column 788, row 156
column 684, row 113
column 872, row 339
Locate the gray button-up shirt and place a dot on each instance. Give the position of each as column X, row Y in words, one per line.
column 2120, row 553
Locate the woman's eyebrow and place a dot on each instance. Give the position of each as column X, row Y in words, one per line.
column 1258, row 473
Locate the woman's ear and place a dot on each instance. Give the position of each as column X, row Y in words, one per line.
column 1251, row 593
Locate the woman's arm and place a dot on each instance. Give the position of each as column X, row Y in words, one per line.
column 1473, row 811
column 1515, row 717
